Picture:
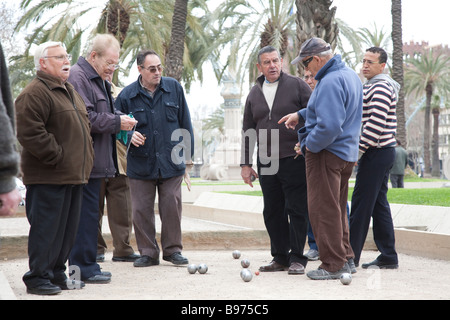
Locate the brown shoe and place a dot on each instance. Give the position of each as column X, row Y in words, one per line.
column 272, row 266
column 296, row 268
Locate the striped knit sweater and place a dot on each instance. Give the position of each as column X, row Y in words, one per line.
column 379, row 120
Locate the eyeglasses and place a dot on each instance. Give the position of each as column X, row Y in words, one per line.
column 307, row 61
column 60, row 57
column 152, row 69
column 369, row 62
column 112, row 66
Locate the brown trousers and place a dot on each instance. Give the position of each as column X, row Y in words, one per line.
column 327, row 179
column 118, row 203
column 143, row 193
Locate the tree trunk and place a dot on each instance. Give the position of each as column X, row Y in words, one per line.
column 397, row 68
column 315, row 19
column 436, row 166
column 427, row 130
column 174, row 58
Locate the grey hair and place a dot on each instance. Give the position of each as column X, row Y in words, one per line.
column 41, row 51
column 267, row 49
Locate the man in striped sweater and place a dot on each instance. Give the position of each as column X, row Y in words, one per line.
column 376, row 157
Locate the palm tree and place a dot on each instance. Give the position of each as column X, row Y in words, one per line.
column 397, row 68
column 427, row 72
column 174, row 58
column 136, row 24
column 315, row 18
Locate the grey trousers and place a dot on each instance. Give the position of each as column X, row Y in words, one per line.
column 143, row 194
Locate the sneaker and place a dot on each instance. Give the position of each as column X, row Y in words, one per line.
column 351, row 265
column 145, row 261
column 176, row 258
column 312, row 255
column 322, row 274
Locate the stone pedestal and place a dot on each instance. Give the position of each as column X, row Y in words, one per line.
column 224, row 164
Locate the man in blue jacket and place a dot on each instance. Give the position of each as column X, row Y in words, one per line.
column 329, row 142
column 159, row 150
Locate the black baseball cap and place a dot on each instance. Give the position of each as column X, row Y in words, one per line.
column 311, row 47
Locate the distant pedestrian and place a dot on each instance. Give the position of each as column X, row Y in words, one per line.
column 397, row 173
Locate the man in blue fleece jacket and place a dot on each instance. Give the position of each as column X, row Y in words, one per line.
column 329, row 143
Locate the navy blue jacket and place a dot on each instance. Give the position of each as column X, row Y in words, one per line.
column 166, row 122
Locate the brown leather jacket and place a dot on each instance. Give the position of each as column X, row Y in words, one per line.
column 54, row 130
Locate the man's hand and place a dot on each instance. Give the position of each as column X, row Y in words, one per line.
column 247, row 173
column 127, row 123
column 138, row 139
column 290, row 120
column 9, row 202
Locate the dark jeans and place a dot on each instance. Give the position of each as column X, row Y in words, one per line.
column 369, row 200
column 53, row 212
column 84, row 252
column 286, row 210
column 397, row 180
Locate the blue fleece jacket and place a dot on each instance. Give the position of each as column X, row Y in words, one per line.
column 333, row 115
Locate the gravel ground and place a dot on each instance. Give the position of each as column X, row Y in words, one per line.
column 416, row 279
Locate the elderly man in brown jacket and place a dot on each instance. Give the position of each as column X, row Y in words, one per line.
column 57, row 158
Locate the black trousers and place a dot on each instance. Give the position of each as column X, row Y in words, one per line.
column 53, row 212
column 369, row 200
column 286, row 209
column 84, row 251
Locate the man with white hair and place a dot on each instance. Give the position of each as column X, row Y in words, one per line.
column 89, row 77
column 53, row 129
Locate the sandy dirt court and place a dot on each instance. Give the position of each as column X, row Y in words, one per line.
column 416, row 279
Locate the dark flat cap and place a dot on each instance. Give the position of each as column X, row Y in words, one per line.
column 311, row 47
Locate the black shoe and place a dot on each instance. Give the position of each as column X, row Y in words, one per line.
column 379, row 264
column 69, row 284
column 45, row 289
column 176, row 258
column 145, row 261
column 130, row 258
column 98, row 279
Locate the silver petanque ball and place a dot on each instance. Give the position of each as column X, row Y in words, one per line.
column 346, row 278
column 202, row 268
column 236, row 254
column 245, row 263
column 192, row 268
column 246, row 275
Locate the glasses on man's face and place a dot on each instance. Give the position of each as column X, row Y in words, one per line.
column 153, row 69
column 112, row 65
column 61, row 57
column 307, row 61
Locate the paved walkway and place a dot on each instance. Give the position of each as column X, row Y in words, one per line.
column 212, row 243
